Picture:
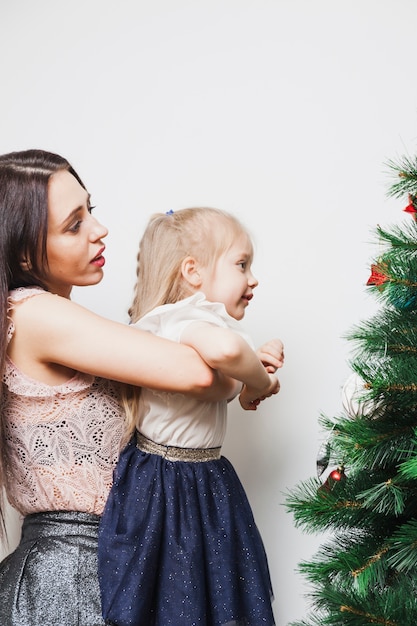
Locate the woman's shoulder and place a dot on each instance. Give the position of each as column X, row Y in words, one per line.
column 34, row 307
column 50, row 307
column 23, row 293
column 17, row 296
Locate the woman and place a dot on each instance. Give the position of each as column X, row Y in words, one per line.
column 61, row 421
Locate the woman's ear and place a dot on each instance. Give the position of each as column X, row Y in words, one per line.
column 25, row 264
column 189, row 271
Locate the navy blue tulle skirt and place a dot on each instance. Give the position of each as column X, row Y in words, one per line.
column 178, row 546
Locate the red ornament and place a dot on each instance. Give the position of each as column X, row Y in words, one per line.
column 336, row 476
column 410, row 208
column 377, row 277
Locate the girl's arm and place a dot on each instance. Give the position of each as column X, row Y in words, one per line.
column 53, row 331
column 271, row 355
column 228, row 352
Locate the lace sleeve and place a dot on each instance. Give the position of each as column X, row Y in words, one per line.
column 16, row 296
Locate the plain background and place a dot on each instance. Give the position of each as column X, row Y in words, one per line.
column 284, row 112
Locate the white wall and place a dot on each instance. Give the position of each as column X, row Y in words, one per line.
column 282, row 111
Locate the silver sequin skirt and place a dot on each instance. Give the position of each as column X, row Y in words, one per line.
column 51, row 577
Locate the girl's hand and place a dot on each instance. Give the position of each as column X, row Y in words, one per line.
column 271, row 355
column 249, row 400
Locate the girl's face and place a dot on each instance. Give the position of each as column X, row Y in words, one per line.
column 231, row 280
column 74, row 242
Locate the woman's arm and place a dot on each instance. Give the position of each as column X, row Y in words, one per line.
column 228, row 352
column 53, row 330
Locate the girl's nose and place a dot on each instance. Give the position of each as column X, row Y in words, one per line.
column 253, row 281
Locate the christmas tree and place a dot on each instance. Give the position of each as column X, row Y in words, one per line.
column 364, row 499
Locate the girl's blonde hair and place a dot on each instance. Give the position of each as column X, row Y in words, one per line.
column 202, row 233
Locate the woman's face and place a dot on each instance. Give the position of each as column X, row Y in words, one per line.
column 74, row 242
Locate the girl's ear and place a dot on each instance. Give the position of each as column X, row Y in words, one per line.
column 189, row 271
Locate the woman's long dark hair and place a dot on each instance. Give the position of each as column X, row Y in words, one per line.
column 24, row 182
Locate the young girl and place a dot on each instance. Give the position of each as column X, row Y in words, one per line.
column 61, row 422
column 178, row 544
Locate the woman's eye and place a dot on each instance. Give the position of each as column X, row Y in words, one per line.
column 76, row 227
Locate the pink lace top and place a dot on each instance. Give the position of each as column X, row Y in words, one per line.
column 63, row 441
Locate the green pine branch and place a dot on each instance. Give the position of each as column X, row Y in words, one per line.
column 334, row 607
column 405, row 172
column 365, row 572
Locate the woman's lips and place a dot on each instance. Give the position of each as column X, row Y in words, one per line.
column 99, row 260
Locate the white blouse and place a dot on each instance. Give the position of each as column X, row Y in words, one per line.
column 172, row 418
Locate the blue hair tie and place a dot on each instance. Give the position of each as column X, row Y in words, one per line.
column 170, row 212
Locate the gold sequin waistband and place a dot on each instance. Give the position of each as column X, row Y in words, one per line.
column 171, row 453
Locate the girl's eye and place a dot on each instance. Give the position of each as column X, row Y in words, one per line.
column 90, row 209
column 242, row 264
